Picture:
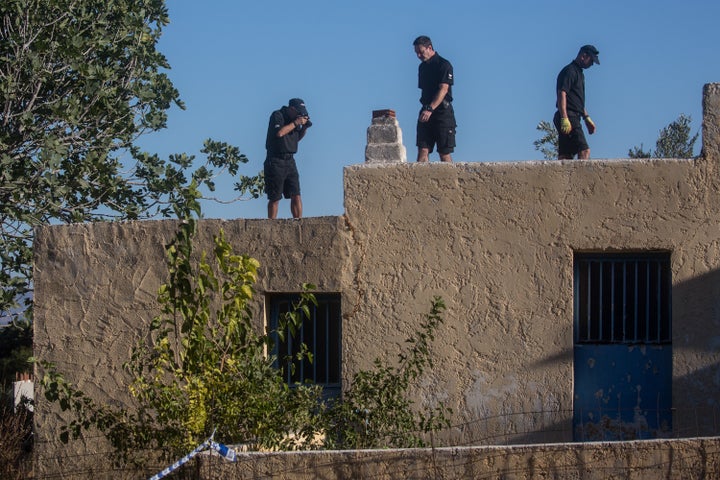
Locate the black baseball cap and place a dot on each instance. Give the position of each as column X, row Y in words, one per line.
column 592, row 51
column 299, row 105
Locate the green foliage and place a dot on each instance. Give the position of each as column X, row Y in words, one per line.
column 15, row 350
column 639, row 152
column 206, row 367
column 116, row 424
column 377, row 410
column 80, row 81
column 674, row 141
column 548, row 143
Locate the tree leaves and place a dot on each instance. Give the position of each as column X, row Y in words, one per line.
column 673, row 141
column 80, row 82
column 548, row 143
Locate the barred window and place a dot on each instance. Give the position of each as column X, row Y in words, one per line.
column 321, row 333
column 623, row 298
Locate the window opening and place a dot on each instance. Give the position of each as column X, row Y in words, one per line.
column 321, row 333
column 623, row 298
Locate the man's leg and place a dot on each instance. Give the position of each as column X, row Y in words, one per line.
column 273, row 209
column 296, row 206
column 444, row 131
column 584, row 154
column 423, row 154
column 565, row 141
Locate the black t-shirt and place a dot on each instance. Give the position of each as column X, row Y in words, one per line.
column 431, row 74
column 571, row 80
column 284, row 144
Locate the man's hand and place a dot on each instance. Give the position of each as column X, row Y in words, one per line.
column 590, row 124
column 425, row 114
column 565, row 126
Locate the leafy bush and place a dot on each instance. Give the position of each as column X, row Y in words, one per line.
column 205, row 368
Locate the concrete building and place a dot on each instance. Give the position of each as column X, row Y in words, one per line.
column 583, row 296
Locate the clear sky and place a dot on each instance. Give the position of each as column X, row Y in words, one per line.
column 234, row 62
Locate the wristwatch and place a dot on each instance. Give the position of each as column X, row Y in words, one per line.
column 427, row 108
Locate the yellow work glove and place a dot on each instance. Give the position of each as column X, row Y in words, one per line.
column 565, row 126
column 590, row 124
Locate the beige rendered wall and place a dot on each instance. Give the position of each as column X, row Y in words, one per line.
column 96, row 288
column 494, row 240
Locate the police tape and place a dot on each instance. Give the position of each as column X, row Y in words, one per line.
column 226, row 452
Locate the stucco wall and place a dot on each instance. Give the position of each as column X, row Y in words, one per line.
column 96, row 288
column 494, row 240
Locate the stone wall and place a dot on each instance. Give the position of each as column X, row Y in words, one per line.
column 494, row 240
column 639, row 460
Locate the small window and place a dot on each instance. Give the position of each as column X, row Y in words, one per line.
column 623, row 298
column 321, row 333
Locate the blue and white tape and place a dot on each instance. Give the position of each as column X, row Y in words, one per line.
column 226, row 452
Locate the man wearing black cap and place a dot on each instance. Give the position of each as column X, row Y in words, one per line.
column 287, row 127
column 436, row 120
column 571, row 106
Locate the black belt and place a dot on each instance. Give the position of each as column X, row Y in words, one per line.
column 443, row 105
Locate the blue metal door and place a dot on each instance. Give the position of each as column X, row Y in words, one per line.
column 623, row 349
column 622, row 392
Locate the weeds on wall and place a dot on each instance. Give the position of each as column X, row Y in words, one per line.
column 204, row 367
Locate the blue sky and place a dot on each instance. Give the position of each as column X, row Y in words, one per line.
column 235, row 62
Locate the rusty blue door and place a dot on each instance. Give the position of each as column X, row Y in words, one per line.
column 622, row 392
column 623, row 350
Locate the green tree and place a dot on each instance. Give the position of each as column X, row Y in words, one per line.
column 674, row 141
column 639, row 152
column 80, row 81
column 548, row 143
column 15, row 350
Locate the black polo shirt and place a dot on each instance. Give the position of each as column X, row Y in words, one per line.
column 285, row 144
column 431, row 74
column 571, row 80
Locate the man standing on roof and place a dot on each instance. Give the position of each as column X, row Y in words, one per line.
column 571, row 106
column 287, row 127
column 436, row 121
